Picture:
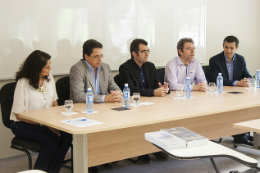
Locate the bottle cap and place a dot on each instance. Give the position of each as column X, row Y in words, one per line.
column 126, row 84
column 187, row 77
column 89, row 89
column 219, row 73
column 257, row 69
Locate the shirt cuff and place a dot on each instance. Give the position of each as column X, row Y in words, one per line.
column 153, row 93
column 235, row 83
column 103, row 99
column 191, row 87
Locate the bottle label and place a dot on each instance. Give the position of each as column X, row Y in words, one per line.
column 126, row 95
column 90, row 99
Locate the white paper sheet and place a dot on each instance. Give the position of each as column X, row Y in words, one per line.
column 142, row 104
column 85, row 112
column 65, row 113
column 181, row 98
column 81, row 122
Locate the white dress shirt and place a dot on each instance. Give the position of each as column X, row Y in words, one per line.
column 26, row 97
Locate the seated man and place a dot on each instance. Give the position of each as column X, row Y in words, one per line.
column 185, row 65
column 91, row 72
column 141, row 77
column 234, row 72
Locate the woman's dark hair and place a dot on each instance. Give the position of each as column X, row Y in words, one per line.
column 32, row 67
column 89, row 45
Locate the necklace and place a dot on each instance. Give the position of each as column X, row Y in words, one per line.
column 43, row 88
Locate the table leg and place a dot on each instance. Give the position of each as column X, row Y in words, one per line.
column 214, row 165
column 80, row 153
column 256, row 140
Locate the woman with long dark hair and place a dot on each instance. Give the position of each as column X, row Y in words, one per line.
column 36, row 89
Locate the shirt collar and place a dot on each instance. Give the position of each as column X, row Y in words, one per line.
column 234, row 58
column 137, row 66
column 180, row 62
column 91, row 68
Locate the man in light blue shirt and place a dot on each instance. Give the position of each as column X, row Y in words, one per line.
column 91, row 72
column 95, row 76
column 230, row 64
column 234, row 72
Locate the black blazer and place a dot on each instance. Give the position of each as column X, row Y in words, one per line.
column 129, row 73
column 217, row 64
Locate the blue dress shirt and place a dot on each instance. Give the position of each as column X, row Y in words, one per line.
column 142, row 75
column 230, row 68
column 96, row 81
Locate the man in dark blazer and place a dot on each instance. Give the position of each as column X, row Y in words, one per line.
column 142, row 78
column 228, row 60
column 234, row 72
column 139, row 73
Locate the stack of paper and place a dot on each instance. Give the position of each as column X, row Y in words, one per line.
column 165, row 140
column 174, row 138
column 192, row 139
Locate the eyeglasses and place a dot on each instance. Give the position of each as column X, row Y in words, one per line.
column 98, row 56
column 189, row 48
column 145, row 51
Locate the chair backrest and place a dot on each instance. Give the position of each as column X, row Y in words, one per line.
column 63, row 89
column 160, row 73
column 118, row 81
column 207, row 73
column 6, row 101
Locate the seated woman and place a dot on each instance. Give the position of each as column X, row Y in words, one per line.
column 36, row 89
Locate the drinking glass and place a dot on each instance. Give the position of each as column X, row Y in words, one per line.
column 212, row 87
column 251, row 82
column 68, row 104
column 179, row 92
column 136, row 98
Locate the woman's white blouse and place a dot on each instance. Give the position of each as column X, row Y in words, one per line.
column 28, row 98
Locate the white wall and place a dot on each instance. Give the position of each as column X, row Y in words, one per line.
column 239, row 18
column 224, row 17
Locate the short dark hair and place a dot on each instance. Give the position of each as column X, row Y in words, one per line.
column 231, row 39
column 32, row 67
column 134, row 46
column 89, row 45
column 181, row 43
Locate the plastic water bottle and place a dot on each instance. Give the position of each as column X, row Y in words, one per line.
column 220, row 83
column 126, row 96
column 187, row 88
column 89, row 101
column 257, row 79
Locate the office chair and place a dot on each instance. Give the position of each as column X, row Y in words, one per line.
column 6, row 100
column 207, row 73
column 63, row 89
column 63, row 92
column 118, row 81
column 160, row 73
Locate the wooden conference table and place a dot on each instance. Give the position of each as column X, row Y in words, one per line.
column 121, row 135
